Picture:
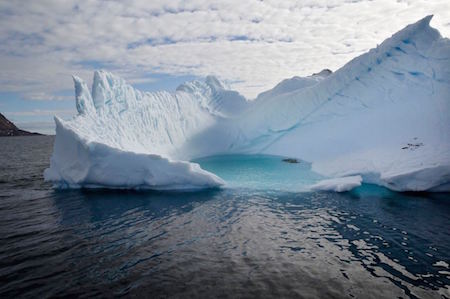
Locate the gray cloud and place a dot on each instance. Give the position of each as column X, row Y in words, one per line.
column 40, row 112
column 253, row 43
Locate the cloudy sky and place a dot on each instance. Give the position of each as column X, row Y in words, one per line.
column 155, row 45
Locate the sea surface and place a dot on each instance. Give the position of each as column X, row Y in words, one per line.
column 247, row 240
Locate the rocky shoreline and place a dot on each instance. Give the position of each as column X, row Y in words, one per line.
column 8, row 129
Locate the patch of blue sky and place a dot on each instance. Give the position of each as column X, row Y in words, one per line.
column 21, row 110
column 95, row 64
column 151, row 42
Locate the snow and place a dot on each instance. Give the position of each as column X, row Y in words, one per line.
column 338, row 184
column 293, row 84
column 383, row 117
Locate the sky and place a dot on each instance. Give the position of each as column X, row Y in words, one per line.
column 157, row 45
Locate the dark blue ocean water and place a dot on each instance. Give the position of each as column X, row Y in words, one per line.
column 243, row 241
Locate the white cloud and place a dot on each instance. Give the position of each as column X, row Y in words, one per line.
column 251, row 42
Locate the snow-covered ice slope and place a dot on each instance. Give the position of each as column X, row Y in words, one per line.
column 384, row 116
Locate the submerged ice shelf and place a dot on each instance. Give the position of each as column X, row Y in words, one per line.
column 383, row 118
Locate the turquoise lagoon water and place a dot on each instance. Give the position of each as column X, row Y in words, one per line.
column 261, row 172
column 252, row 239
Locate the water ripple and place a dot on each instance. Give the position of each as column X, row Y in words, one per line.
column 368, row 243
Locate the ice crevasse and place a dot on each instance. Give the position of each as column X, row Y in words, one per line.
column 383, row 118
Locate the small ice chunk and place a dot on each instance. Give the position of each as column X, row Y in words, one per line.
column 338, row 184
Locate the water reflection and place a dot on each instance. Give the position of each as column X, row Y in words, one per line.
column 256, row 243
column 101, row 205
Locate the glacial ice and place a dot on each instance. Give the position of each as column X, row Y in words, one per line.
column 383, row 117
column 338, row 184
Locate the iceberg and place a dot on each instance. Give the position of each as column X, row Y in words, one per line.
column 383, row 118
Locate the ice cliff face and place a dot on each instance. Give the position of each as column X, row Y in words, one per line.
column 384, row 116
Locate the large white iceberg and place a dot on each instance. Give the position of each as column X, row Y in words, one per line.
column 384, row 116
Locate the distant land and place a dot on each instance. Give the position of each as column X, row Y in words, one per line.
column 7, row 128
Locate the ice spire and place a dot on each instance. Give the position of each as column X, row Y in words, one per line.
column 83, row 97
